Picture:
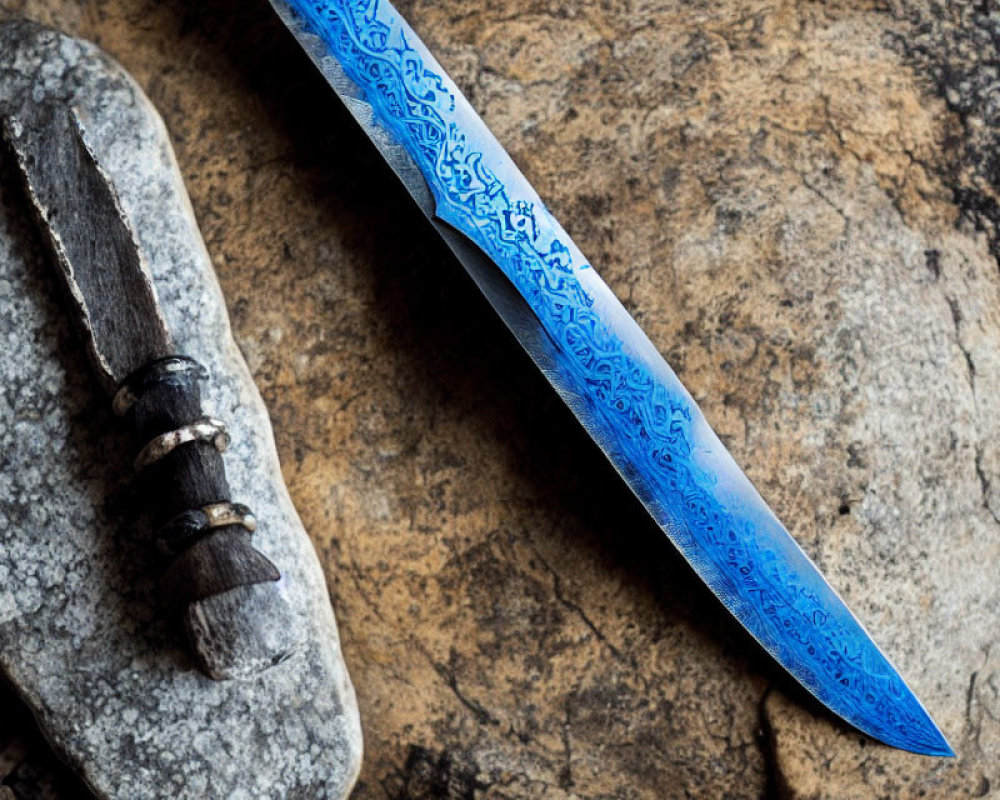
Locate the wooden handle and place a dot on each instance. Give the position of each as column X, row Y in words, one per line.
column 235, row 615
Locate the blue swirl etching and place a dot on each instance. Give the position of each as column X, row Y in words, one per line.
column 773, row 590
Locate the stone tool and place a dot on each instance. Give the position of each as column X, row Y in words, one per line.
column 236, row 618
column 601, row 363
column 84, row 639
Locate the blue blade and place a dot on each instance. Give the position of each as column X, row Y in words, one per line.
column 601, row 363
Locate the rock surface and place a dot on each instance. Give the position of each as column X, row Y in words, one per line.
column 798, row 202
column 82, row 638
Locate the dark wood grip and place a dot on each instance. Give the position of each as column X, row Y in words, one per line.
column 237, row 619
column 189, row 477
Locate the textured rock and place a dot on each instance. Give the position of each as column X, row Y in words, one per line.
column 82, row 637
column 786, row 195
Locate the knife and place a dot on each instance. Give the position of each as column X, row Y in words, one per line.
column 237, row 620
column 601, row 363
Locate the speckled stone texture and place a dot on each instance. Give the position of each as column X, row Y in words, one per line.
column 794, row 199
column 82, row 639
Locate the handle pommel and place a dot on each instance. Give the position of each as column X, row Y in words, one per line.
column 240, row 632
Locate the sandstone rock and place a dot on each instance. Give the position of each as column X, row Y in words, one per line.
column 83, row 636
column 786, row 195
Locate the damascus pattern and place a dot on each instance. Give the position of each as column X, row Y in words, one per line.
column 613, row 378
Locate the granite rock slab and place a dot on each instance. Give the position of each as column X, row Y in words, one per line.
column 83, row 640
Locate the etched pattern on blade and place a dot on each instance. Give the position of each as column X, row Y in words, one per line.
column 617, row 383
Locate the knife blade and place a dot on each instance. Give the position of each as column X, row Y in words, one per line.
column 235, row 615
column 600, row 362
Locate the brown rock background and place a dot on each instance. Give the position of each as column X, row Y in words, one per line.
column 798, row 202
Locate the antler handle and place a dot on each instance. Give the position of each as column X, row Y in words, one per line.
column 235, row 615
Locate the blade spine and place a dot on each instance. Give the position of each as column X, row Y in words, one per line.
column 377, row 133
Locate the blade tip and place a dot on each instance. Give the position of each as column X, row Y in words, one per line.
column 929, row 742
column 933, row 742
column 939, row 748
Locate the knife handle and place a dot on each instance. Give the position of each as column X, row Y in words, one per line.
column 235, row 615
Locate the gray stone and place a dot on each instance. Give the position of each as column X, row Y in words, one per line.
column 83, row 637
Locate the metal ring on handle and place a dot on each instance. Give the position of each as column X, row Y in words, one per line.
column 221, row 514
column 204, row 430
column 188, row 526
column 171, row 369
